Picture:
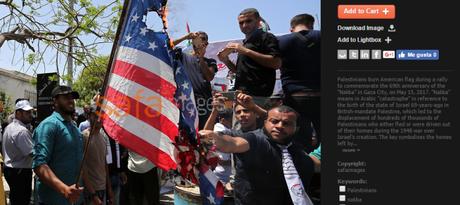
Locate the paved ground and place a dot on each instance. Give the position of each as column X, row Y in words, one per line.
column 167, row 194
column 6, row 188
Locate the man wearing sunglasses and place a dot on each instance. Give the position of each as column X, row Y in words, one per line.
column 200, row 70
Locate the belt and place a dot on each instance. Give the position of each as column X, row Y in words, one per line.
column 306, row 93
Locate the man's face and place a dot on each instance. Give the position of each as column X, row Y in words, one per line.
column 246, row 117
column 65, row 103
column 281, row 126
column 203, row 44
column 24, row 116
column 248, row 23
column 86, row 109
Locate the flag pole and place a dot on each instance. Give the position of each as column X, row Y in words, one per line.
column 187, row 29
column 104, row 85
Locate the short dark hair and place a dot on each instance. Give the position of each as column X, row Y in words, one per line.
column 203, row 35
column 250, row 11
column 239, row 104
column 226, row 114
column 303, row 19
column 285, row 109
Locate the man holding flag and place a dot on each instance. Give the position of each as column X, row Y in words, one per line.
column 200, row 71
column 147, row 97
column 58, row 152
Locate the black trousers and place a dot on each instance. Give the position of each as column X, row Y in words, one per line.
column 143, row 188
column 309, row 111
column 20, row 183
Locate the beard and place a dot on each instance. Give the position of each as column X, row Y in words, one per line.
column 69, row 111
column 66, row 109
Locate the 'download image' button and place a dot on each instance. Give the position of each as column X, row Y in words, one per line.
column 366, row 12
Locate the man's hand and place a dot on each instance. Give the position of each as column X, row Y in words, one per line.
column 225, row 143
column 72, row 193
column 97, row 126
column 218, row 101
column 231, row 48
column 248, row 102
column 237, row 47
column 207, row 136
column 110, row 196
column 123, row 178
column 223, row 54
column 96, row 200
column 191, row 35
column 188, row 36
column 245, row 101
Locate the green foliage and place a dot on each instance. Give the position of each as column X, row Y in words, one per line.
column 53, row 78
column 7, row 106
column 90, row 24
column 91, row 79
column 30, row 58
column 33, row 81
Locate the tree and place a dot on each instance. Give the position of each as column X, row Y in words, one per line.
column 5, row 106
column 90, row 81
column 36, row 27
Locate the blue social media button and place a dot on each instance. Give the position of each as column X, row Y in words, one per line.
column 417, row 55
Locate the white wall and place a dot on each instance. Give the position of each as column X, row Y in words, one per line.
column 18, row 88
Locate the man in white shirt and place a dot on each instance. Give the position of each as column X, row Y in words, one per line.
column 17, row 150
column 143, row 182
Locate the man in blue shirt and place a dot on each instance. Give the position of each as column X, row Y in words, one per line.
column 58, row 152
column 200, row 70
column 300, row 76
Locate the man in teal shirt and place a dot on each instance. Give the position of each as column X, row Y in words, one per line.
column 58, row 152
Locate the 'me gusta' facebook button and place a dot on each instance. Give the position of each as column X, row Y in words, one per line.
column 417, row 55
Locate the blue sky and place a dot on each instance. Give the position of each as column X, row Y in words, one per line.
column 219, row 17
column 216, row 17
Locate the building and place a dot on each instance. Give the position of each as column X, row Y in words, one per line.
column 17, row 85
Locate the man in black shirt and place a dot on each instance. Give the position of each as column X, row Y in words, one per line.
column 270, row 169
column 258, row 57
column 300, row 75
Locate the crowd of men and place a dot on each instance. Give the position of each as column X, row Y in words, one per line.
column 274, row 138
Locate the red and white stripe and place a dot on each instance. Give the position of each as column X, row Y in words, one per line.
column 139, row 110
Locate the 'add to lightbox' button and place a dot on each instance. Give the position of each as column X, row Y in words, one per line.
column 417, row 55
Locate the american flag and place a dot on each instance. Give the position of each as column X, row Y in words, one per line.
column 139, row 109
column 148, row 97
column 211, row 189
column 186, row 100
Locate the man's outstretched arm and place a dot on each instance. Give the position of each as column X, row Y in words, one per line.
column 226, row 143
